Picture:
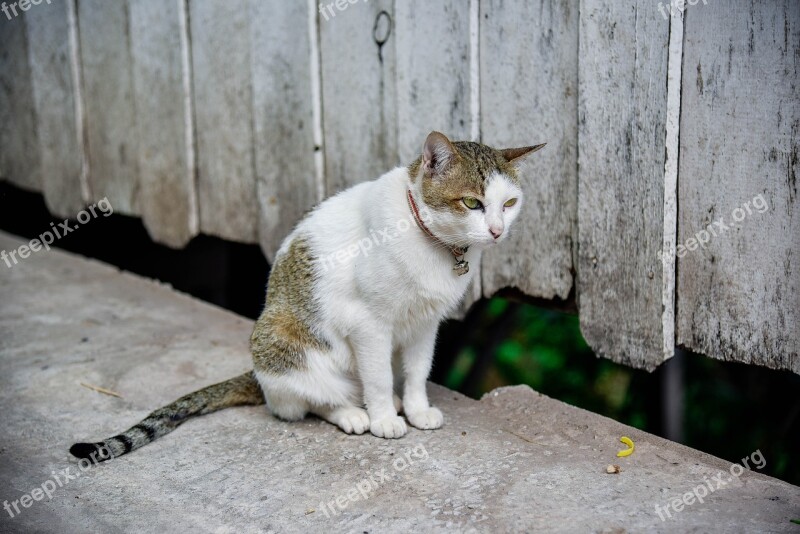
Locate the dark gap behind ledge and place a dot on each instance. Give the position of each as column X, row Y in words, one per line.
column 230, row 275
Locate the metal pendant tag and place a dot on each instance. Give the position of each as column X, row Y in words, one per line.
column 461, row 267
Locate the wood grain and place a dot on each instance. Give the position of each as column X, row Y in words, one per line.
column 529, row 95
column 739, row 294
column 220, row 31
column 166, row 164
column 283, row 118
column 433, row 76
column 54, row 94
column 621, row 147
column 357, row 51
column 19, row 141
column 110, row 112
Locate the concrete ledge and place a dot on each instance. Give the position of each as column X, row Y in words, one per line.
column 516, row 460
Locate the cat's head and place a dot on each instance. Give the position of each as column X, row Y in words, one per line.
column 471, row 191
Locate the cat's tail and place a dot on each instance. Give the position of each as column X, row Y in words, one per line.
column 239, row 391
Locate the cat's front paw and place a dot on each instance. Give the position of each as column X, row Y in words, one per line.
column 426, row 419
column 352, row 420
column 389, row 427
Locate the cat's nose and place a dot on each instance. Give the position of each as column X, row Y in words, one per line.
column 495, row 231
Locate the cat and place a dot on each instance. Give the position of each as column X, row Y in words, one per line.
column 355, row 298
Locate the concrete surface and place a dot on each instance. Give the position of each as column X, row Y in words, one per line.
column 514, row 461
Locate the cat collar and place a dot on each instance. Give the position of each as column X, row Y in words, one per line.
column 461, row 267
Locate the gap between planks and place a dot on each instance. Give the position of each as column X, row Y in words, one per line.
column 670, row 215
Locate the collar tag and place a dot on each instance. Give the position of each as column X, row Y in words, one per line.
column 461, row 267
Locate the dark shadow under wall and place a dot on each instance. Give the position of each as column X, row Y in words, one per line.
column 230, row 275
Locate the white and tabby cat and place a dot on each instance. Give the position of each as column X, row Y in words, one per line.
column 338, row 338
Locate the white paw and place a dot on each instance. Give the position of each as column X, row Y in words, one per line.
column 351, row 420
column 389, row 427
column 426, row 419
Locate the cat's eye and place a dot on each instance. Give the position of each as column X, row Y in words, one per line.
column 472, row 203
column 510, row 203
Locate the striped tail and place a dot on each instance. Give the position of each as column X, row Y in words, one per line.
column 242, row 390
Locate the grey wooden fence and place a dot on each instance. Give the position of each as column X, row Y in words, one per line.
column 667, row 134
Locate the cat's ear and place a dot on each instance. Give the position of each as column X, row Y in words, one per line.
column 438, row 154
column 516, row 155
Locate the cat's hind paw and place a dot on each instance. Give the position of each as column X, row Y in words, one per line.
column 389, row 427
column 426, row 419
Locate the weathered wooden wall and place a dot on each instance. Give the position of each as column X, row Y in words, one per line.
column 232, row 118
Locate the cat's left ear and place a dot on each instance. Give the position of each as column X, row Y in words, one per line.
column 438, row 154
column 516, row 155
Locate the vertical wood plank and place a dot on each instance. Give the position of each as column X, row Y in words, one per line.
column 164, row 123
column 739, row 293
column 622, row 113
column 223, row 106
column 19, row 142
column 54, row 94
column 433, row 83
column 529, row 88
column 357, row 50
column 283, row 118
column 110, row 112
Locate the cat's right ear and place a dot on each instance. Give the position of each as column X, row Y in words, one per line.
column 438, row 154
column 516, row 155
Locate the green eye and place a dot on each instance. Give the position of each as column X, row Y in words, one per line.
column 472, row 203
column 510, row 203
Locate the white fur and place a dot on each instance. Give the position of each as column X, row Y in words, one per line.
column 380, row 305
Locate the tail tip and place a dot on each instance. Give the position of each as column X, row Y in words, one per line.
column 94, row 451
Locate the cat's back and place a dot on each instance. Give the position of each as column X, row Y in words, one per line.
column 337, row 224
